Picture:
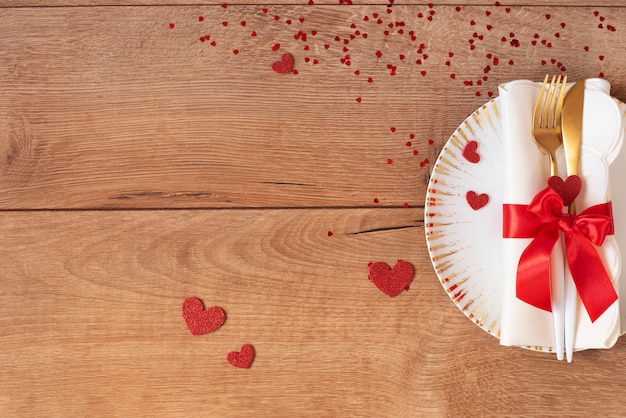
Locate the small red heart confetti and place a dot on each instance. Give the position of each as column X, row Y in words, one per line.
column 243, row 358
column 469, row 152
column 475, row 200
column 568, row 189
column 172, row 26
column 285, row 65
column 391, row 281
column 199, row 320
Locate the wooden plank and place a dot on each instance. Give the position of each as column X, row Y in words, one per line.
column 90, row 322
column 158, row 118
column 486, row 5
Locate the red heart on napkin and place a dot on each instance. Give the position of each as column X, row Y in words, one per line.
column 568, row 189
column 283, row 66
column 475, row 200
column 391, row 281
column 243, row 358
column 469, row 152
column 199, row 320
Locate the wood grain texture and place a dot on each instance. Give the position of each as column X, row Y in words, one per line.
column 140, row 165
column 157, row 118
column 90, row 322
column 486, row 5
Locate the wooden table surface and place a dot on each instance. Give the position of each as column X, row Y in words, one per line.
column 149, row 153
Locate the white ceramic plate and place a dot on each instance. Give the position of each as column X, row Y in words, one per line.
column 465, row 243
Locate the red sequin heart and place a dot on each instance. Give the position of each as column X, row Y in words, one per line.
column 285, row 65
column 568, row 189
column 469, row 152
column 391, row 281
column 243, row 358
column 475, row 200
column 199, row 320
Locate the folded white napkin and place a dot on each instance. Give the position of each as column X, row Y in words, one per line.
column 526, row 173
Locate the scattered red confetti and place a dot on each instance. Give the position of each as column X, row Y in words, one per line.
column 469, row 152
column 224, row 5
column 430, row 141
column 199, row 320
column 376, row 200
column 392, row 129
column 475, row 200
column 285, row 64
column 406, row 205
column 389, row 161
column 330, row 233
column 275, row 47
column 391, row 281
column 200, row 18
column 235, row 51
column 242, row 23
column 172, row 26
column 241, row 359
column 358, row 100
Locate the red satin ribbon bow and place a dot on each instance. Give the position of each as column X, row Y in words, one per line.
column 542, row 220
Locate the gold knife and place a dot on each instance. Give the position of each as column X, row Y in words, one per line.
column 571, row 128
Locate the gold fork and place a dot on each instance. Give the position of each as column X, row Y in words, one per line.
column 547, row 135
column 547, row 118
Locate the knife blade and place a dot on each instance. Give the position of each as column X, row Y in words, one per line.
column 571, row 129
column 572, row 126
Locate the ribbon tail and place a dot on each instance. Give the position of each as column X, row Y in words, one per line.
column 592, row 281
column 533, row 269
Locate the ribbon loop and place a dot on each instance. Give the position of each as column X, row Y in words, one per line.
column 542, row 220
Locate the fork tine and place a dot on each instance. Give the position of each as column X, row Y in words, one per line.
column 539, row 105
column 559, row 105
column 549, row 104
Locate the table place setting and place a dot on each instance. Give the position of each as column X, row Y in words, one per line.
column 522, row 220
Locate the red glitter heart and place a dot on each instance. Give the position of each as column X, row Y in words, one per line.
column 469, row 152
column 199, row 320
column 475, row 200
column 243, row 358
column 285, row 65
column 391, row 281
column 568, row 189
